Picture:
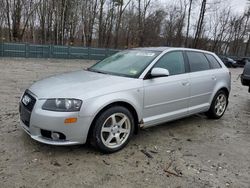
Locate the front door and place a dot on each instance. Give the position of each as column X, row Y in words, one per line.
column 166, row 98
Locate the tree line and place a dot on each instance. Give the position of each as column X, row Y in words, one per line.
column 203, row 24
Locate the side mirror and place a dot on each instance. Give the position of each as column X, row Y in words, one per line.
column 159, row 72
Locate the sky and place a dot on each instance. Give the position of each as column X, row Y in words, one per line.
column 238, row 6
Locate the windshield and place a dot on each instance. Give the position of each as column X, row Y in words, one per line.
column 129, row 63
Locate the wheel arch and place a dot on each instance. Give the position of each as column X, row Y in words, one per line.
column 211, row 111
column 116, row 103
column 226, row 90
column 220, row 86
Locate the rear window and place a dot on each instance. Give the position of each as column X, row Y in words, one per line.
column 213, row 61
column 197, row 61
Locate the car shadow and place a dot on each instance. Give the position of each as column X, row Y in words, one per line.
column 181, row 126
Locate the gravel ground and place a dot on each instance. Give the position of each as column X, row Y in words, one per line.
column 191, row 152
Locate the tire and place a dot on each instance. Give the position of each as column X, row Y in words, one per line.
column 220, row 101
column 112, row 129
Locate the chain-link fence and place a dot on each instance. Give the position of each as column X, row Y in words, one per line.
column 53, row 51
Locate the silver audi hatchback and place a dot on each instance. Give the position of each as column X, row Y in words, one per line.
column 110, row 101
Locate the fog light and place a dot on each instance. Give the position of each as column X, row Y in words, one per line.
column 70, row 120
column 55, row 136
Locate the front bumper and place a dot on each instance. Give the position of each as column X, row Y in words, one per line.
column 43, row 140
column 50, row 121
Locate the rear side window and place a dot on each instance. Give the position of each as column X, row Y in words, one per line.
column 173, row 62
column 213, row 61
column 197, row 61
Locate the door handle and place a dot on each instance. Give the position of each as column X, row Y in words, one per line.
column 213, row 78
column 185, row 83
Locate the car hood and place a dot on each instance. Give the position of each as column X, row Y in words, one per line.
column 231, row 60
column 81, row 84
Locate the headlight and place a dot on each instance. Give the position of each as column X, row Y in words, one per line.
column 62, row 105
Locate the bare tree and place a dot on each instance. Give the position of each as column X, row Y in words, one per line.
column 100, row 23
column 188, row 22
column 121, row 9
column 18, row 14
column 2, row 18
column 247, row 31
column 219, row 27
column 173, row 26
column 143, row 6
column 200, row 23
column 126, row 23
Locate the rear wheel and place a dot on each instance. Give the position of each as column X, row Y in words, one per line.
column 113, row 129
column 218, row 106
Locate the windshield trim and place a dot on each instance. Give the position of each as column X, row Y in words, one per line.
column 109, row 73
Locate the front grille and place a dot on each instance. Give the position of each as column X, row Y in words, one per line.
column 26, row 107
column 27, row 123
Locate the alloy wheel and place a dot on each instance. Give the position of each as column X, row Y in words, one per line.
column 220, row 104
column 115, row 130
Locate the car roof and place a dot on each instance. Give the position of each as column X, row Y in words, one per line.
column 160, row 48
column 164, row 48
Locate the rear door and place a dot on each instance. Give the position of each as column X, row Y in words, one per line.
column 202, row 81
column 166, row 98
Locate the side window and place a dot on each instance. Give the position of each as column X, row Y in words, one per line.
column 173, row 61
column 197, row 61
column 213, row 61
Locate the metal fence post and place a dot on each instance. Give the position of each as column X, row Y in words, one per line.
column 2, row 49
column 42, row 52
column 107, row 52
column 26, row 50
column 68, row 52
column 50, row 51
column 88, row 53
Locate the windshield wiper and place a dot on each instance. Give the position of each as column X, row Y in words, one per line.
column 92, row 70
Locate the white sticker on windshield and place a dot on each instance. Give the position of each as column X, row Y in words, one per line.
column 145, row 54
column 133, row 71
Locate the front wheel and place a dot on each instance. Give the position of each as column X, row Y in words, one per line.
column 218, row 106
column 113, row 129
